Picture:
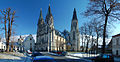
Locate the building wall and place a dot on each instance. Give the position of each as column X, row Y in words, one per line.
column 2, row 45
column 60, row 43
column 29, row 43
column 116, row 45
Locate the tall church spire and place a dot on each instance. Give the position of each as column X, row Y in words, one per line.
column 74, row 15
column 49, row 17
column 40, row 21
column 41, row 17
column 49, row 11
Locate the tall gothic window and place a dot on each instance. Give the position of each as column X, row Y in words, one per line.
column 73, row 35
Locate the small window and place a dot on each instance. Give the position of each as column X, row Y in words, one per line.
column 30, row 38
column 117, row 41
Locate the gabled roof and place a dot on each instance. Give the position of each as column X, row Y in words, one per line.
column 116, row 35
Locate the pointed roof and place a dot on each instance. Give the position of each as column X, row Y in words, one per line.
column 49, row 11
column 74, row 15
column 49, row 15
column 40, row 21
column 41, row 17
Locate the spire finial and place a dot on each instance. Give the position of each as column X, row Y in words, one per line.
column 49, row 10
column 49, row 4
column 40, row 9
column 41, row 17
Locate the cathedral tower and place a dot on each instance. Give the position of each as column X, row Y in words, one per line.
column 49, row 18
column 50, row 29
column 74, row 33
column 40, row 24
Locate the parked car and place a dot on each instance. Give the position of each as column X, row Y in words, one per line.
column 62, row 53
column 43, row 59
column 103, row 58
column 36, row 54
column 29, row 52
column 54, row 51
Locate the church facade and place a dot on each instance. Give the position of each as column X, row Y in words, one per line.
column 50, row 39
column 74, row 33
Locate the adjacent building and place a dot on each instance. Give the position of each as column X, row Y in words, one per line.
column 2, row 46
column 116, row 44
column 28, row 43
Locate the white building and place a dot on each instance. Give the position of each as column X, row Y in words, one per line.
column 2, row 45
column 29, row 43
column 20, row 44
column 116, row 44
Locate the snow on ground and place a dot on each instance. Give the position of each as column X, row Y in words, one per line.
column 72, row 57
column 10, row 57
column 82, row 55
column 6, row 56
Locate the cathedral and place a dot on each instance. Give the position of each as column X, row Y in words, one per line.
column 50, row 39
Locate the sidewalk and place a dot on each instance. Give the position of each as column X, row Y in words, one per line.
column 13, row 57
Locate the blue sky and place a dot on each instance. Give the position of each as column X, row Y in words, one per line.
column 62, row 10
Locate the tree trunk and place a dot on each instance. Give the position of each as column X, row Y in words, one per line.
column 104, row 34
column 7, row 46
column 87, row 46
column 82, row 44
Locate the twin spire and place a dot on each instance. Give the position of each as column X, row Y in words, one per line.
column 49, row 11
column 50, row 14
column 41, row 17
column 41, row 21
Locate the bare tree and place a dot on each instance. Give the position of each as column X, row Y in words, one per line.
column 12, row 40
column 98, row 29
column 106, row 10
column 8, row 17
column 89, row 34
column 82, row 37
